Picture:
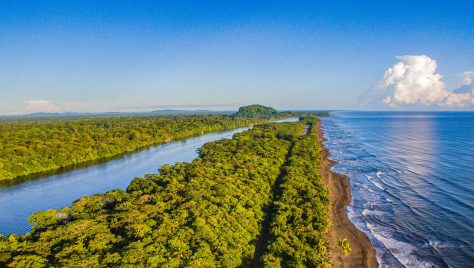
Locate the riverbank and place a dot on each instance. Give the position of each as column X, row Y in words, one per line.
column 61, row 189
column 94, row 162
column 363, row 254
column 32, row 148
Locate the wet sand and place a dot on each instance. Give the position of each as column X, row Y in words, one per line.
column 363, row 254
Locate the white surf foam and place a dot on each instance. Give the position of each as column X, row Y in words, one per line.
column 365, row 186
column 367, row 212
column 378, row 185
column 402, row 251
column 379, row 174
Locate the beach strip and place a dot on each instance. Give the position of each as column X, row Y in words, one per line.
column 363, row 254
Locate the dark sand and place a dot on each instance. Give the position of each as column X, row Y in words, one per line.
column 363, row 254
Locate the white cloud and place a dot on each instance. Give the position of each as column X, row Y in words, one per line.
column 464, row 95
column 48, row 106
column 469, row 78
column 414, row 81
column 37, row 106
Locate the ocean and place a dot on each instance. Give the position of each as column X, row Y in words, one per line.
column 412, row 183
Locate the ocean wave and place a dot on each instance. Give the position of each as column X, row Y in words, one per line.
column 365, row 186
column 404, row 252
column 377, row 184
column 367, row 212
column 379, row 174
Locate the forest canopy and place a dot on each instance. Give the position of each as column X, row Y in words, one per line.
column 32, row 146
column 256, row 111
column 254, row 199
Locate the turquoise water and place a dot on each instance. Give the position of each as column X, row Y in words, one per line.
column 412, row 181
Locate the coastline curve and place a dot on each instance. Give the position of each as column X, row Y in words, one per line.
column 363, row 253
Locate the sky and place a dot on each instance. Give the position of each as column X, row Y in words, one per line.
column 96, row 56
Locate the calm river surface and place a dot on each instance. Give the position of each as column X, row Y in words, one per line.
column 18, row 202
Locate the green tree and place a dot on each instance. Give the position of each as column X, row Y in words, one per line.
column 344, row 247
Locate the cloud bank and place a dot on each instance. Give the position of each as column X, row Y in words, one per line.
column 414, row 81
column 36, row 106
column 48, row 106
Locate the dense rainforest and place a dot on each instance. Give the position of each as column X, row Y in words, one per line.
column 31, row 146
column 300, row 209
column 255, row 199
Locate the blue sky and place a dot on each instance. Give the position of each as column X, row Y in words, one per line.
column 143, row 55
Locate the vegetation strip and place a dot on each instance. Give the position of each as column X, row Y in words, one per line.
column 263, row 238
column 299, row 227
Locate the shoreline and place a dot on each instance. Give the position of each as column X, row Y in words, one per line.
column 363, row 253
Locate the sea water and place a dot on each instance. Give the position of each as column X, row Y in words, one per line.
column 412, row 183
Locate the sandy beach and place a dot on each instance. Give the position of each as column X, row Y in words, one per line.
column 363, row 254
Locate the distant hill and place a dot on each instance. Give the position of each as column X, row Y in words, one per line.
column 256, row 110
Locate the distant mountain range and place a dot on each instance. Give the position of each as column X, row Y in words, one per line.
column 156, row 112
column 249, row 111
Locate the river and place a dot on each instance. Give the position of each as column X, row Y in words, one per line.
column 18, row 202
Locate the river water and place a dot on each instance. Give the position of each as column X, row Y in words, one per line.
column 412, row 182
column 19, row 201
